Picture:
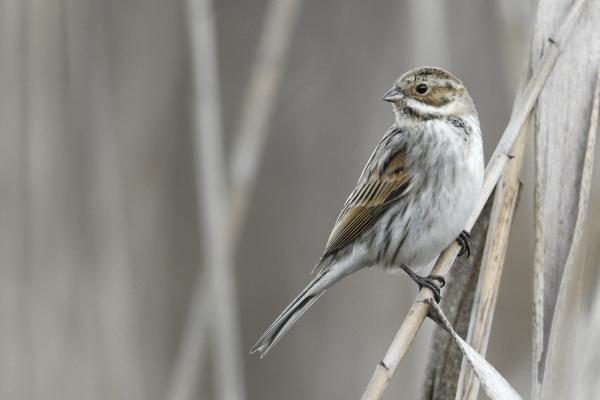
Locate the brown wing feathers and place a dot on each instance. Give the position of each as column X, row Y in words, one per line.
column 369, row 200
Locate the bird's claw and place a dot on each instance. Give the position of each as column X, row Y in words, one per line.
column 463, row 241
column 428, row 282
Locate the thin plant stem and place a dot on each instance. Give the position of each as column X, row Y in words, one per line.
column 211, row 178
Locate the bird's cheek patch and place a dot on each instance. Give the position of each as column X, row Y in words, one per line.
column 437, row 98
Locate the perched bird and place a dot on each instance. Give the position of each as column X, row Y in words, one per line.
column 414, row 195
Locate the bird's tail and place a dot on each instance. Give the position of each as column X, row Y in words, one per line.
column 315, row 289
column 290, row 315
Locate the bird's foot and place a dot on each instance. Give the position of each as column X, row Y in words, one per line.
column 463, row 241
column 428, row 282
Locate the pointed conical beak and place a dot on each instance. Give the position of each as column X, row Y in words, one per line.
column 393, row 95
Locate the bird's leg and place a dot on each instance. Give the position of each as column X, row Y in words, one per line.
column 463, row 241
column 427, row 281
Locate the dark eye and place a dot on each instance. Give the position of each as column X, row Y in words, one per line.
column 421, row 88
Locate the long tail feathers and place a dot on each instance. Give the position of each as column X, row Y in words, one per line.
column 288, row 317
column 306, row 298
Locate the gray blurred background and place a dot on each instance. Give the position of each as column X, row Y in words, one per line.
column 99, row 239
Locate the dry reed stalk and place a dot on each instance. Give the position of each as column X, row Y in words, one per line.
column 561, row 358
column 251, row 134
column 211, row 178
column 561, row 121
column 258, row 104
column 496, row 244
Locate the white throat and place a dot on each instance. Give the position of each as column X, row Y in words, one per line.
column 455, row 108
column 452, row 108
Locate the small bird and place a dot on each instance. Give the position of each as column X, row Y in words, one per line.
column 414, row 195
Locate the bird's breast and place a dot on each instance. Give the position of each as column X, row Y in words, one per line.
column 447, row 165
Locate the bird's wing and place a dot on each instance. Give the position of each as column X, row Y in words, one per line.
column 378, row 188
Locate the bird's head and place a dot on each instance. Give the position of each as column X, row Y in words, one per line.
column 431, row 92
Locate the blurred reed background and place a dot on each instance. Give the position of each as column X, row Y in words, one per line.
column 100, row 242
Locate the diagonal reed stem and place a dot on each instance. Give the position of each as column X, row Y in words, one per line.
column 213, row 218
column 251, row 134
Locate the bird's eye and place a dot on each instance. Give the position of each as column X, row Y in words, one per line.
column 421, row 88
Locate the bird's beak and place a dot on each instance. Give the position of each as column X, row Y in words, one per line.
column 393, row 95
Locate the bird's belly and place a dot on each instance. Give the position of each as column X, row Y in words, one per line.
column 434, row 219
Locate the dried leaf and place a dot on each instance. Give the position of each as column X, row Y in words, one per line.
column 494, row 384
column 561, row 342
column 560, row 146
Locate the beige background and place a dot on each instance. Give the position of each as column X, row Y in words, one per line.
column 98, row 233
